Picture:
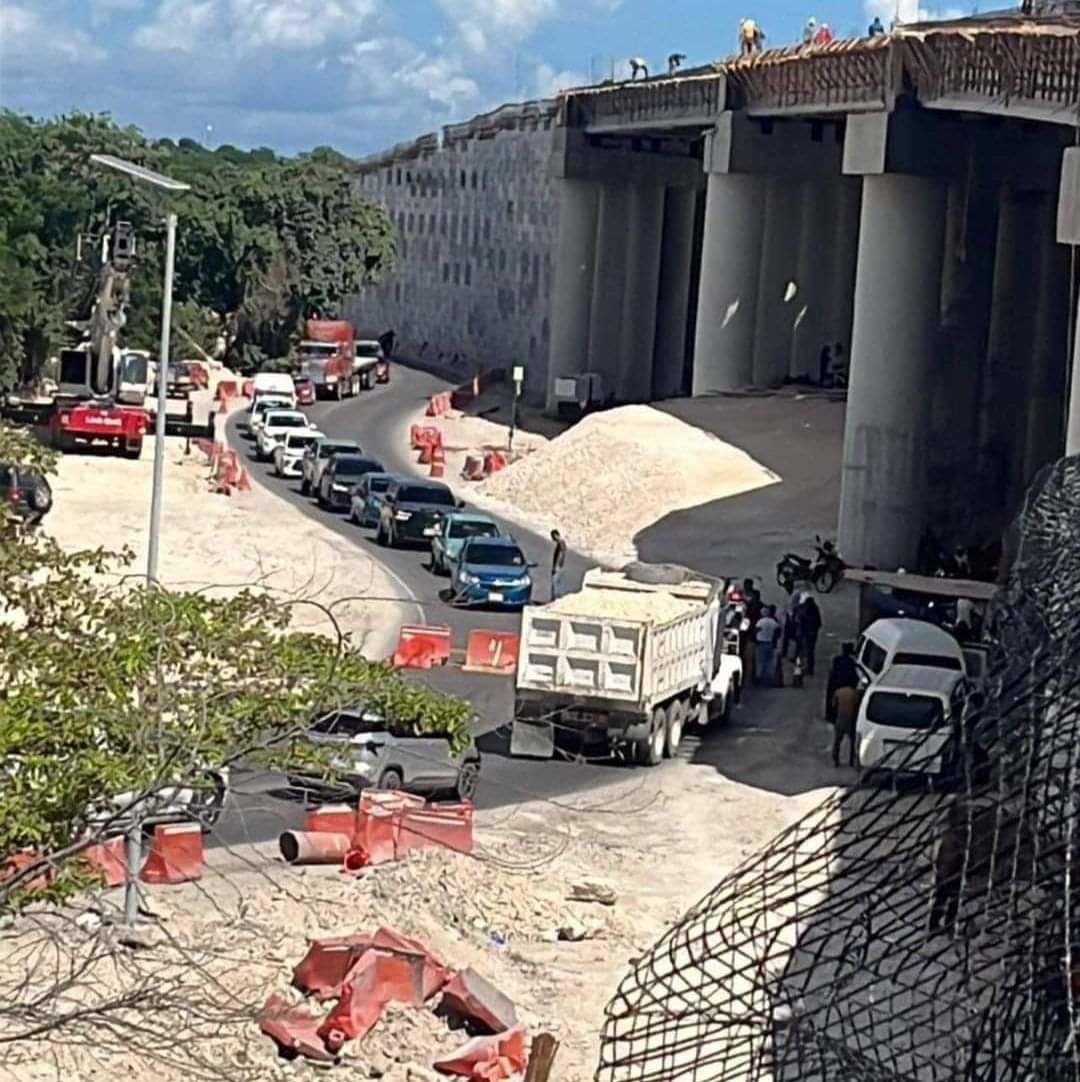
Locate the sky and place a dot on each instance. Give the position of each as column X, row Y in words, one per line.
column 359, row 75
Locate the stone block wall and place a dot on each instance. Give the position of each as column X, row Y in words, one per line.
column 476, row 218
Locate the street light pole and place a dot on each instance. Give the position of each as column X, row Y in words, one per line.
column 159, row 416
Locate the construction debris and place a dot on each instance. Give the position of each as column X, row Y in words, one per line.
column 474, row 1000
column 592, row 892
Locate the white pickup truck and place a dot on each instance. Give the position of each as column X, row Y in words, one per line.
column 631, row 660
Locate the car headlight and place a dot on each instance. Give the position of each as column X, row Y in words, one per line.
column 339, row 488
column 467, row 579
column 522, row 581
column 402, row 516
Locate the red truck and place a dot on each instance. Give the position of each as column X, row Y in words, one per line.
column 80, row 416
column 328, row 357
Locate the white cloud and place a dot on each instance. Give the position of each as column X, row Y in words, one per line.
column 547, row 82
column 382, row 68
column 102, row 11
column 241, row 27
column 487, row 24
column 30, row 38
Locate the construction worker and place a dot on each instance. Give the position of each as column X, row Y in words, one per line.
column 750, row 37
column 846, row 710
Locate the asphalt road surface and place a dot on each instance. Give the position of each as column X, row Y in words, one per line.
column 260, row 808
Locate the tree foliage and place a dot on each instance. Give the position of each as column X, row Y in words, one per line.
column 108, row 687
column 262, row 240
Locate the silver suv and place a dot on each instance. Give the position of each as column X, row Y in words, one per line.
column 367, row 756
column 315, row 458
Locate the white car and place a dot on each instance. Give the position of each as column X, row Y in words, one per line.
column 900, row 641
column 261, row 406
column 275, row 383
column 276, row 425
column 907, row 720
column 289, row 453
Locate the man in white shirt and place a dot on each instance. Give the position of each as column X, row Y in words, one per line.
column 766, row 635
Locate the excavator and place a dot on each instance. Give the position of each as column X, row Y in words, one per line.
column 101, row 388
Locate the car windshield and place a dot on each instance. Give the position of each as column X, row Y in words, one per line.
column 378, row 484
column 296, row 442
column 495, row 555
column 355, row 467
column 134, row 368
column 286, row 420
column 901, row 711
column 328, row 449
column 348, row 723
column 267, row 404
column 317, row 350
column 473, row 529
column 367, row 349
column 929, row 661
column 441, row 497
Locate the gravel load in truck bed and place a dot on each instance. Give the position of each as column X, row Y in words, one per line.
column 654, row 608
column 615, row 473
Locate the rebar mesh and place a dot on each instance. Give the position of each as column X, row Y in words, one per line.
column 897, row 935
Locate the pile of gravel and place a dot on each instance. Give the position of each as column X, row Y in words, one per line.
column 615, row 473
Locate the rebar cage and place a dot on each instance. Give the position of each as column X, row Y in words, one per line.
column 904, row 935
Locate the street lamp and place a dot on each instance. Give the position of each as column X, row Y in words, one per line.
column 158, row 180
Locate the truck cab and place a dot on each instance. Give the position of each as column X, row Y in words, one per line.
column 327, row 357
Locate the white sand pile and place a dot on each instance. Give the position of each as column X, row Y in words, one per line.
column 615, row 473
column 622, row 604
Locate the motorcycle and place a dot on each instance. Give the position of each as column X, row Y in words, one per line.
column 823, row 571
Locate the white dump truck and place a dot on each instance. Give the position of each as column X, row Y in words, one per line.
column 633, row 656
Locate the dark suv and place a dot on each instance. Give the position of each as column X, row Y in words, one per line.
column 412, row 510
column 25, row 493
column 341, row 475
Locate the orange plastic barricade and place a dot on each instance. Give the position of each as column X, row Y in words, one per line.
column 491, row 651
column 107, row 860
column 421, row 647
column 176, row 854
column 226, row 389
column 446, row 826
column 331, row 819
column 248, row 389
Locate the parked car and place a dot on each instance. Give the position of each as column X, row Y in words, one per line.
column 908, row 720
column 367, row 755
column 894, row 641
column 316, row 457
column 180, row 382
column 491, row 571
column 367, row 498
column 342, row 474
column 261, row 406
column 289, row 454
column 25, row 493
column 454, row 530
column 305, row 391
column 411, row 512
column 276, row 425
column 369, row 362
column 279, row 383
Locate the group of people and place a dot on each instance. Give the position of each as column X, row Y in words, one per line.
column 771, row 638
column 752, row 37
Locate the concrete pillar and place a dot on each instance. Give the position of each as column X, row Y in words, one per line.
column 727, row 296
column 777, row 286
column 571, row 289
column 839, row 312
column 817, row 239
column 1072, row 429
column 1050, row 352
column 609, row 283
column 673, row 302
column 645, row 226
column 897, row 300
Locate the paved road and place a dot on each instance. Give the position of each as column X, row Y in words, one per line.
column 377, row 419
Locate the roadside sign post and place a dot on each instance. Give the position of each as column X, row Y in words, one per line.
column 518, row 375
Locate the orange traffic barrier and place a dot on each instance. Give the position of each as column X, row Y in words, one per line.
column 494, row 461
column 322, row 970
column 225, row 389
column 19, row 862
column 200, row 374
column 313, row 846
column 473, row 470
column 243, row 481
column 414, row 436
column 438, row 460
column 427, row 454
column 374, row 839
column 438, row 469
column 445, row 826
column 108, row 860
column 176, row 854
column 491, row 651
column 432, row 407
column 330, row 819
column 421, row 646
column 487, row 1059
column 248, row 388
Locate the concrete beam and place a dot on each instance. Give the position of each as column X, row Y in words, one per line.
column 1068, row 211
column 788, row 148
column 574, row 157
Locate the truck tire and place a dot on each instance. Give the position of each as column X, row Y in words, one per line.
column 655, row 574
column 650, row 750
column 673, row 731
column 134, row 450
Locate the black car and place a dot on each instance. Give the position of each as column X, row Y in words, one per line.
column 341, row 475
column 25, row 493
column 411, row 511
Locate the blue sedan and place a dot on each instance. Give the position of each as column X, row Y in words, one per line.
column 491, row 571
column 367, row 498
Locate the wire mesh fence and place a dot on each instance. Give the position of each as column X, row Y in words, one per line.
column 899, row 932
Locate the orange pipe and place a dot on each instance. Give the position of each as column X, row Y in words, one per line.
column 313, row 847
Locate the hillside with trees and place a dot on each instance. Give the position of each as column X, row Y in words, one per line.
column 263, row 240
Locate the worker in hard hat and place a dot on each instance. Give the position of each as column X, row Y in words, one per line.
column 809, row 30
column 750, row 37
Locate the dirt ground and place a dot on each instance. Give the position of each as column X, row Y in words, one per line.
column 221, row 946
column 226, row 543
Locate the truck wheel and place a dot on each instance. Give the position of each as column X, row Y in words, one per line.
column 676, row 720
column 134, row 450
column 651, row 748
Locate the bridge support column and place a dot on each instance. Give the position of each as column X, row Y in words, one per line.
column 727, row 298
column 816, row 214
column 571, row 293
column 897, row 302
column 1072, row 433
column 777, row 307
column 609, row 283
column 673, row 302
column 638, row 330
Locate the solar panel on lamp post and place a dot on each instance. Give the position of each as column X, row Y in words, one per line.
column 160, row 181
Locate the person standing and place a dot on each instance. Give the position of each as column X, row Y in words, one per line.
column 766, row 635
column 558, row 562
column 808, row 625
column 843, row 674
column 876, row 29
column 846, row 710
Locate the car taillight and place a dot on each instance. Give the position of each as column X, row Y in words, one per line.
column 15, row 496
